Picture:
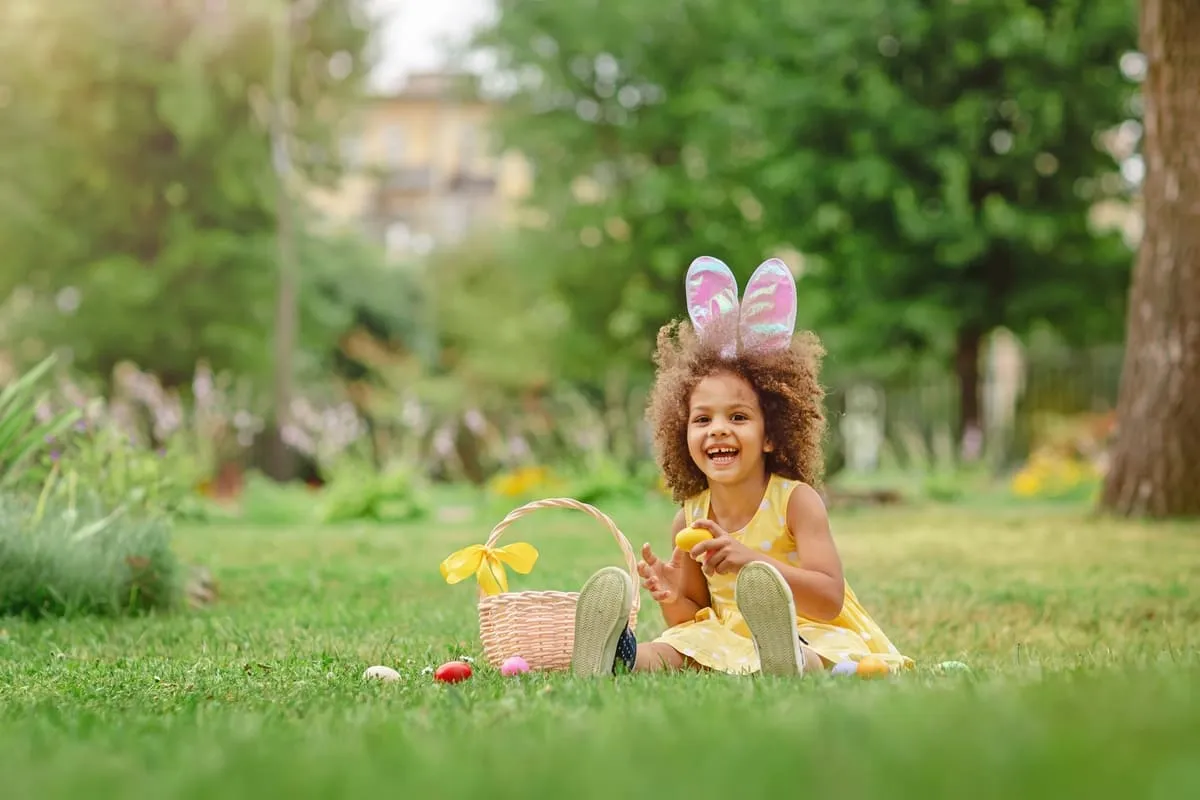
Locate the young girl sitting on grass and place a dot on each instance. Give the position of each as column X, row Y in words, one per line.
column 737, row 414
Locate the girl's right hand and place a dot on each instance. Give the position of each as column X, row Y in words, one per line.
column 663, row 579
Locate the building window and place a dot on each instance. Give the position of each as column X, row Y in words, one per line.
column 351, row 150
column 456, row 219
column 393, row 145
column 468, row 147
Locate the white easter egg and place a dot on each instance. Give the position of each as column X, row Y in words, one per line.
column 382, row 673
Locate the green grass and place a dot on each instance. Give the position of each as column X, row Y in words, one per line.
column 83, row 560
column 1082, row 636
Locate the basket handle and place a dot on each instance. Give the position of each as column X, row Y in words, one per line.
column 566, row 502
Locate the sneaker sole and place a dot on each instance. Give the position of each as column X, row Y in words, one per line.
column 766, row 603
column 601, row 613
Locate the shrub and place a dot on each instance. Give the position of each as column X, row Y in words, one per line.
column 359, row 493
column 71, row 558
column 267, row 502
column 605, row 480
column 121, row 471
column 1051, row 475
column 523, row 483
column 27, row 428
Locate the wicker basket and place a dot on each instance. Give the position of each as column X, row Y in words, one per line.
column 540, row 626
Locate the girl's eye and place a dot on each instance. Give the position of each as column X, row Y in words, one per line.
column 700, row 420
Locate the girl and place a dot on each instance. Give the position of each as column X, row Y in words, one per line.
column 737, row 414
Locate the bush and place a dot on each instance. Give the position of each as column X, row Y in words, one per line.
column 27, row 428
column 1050, row 475
column 65, row 559
column 359, row 493
column 119, row 471
column 267, row 502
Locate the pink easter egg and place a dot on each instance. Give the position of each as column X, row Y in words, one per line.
column 513, row 665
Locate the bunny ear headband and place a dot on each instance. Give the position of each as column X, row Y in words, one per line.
column 766, row 317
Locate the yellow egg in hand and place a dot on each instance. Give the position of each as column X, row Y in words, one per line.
column 689, row 537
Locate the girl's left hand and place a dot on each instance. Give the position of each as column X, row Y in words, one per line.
column 725, row 554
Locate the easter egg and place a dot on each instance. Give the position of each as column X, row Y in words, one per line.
column 873, row 668
column 381, row 673
column 452, row 672
column 689, row 537
column 844, row 668
column 514, row 665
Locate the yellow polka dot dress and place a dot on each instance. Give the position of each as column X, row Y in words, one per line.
column 718, row 637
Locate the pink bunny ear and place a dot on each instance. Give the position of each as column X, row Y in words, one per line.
column 712, row 300
column 768, row 315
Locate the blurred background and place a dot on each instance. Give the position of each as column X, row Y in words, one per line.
column 256, row 252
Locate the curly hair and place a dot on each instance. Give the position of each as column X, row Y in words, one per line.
column 785, row 381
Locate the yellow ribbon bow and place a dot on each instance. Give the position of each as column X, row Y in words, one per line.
column 487, row 564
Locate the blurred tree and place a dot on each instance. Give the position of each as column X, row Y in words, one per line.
column 1155, row 469
column 941, row 161
column 605, row 99
column 138, row 205
column 934, row 161
column 481, row 329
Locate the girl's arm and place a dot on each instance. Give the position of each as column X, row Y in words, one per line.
column 818, row 586
column 693, row 594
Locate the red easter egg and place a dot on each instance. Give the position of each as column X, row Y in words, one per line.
column 453, row 672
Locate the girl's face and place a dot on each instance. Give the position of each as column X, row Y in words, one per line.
column 726, row 433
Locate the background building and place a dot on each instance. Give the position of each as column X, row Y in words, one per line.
column 423, row 170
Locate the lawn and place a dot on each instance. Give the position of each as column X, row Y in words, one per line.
column 1081, row 635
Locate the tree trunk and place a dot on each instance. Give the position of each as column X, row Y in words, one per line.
column 966, row 367
column 281, row 463
column 1155, row 469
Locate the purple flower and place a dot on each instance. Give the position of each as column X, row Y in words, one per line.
column 54, row 455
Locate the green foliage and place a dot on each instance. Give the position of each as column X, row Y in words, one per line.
column 494, row 312
column 140, row 176
column 64, row 557
column 348, row 284
column 122, row 472
column 470, row 375
column 608, row 481
column 23, row 436
column 469, row 338
column 357, row 493
column 933, row 163
column 394, row 494
column 267, row 502
column 959, row 163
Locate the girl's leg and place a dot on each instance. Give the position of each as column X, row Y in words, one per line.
column 658, row 656
column 603, row 642
column 812, row 661
column 766, row 603
column 602, row 635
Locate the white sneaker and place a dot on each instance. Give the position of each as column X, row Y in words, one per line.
column 766, row 603
column 601, row 616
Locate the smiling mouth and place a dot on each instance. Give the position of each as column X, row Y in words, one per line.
column 721, row 456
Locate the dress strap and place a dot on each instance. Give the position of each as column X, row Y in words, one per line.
column 695, row 507
column 780, row 491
